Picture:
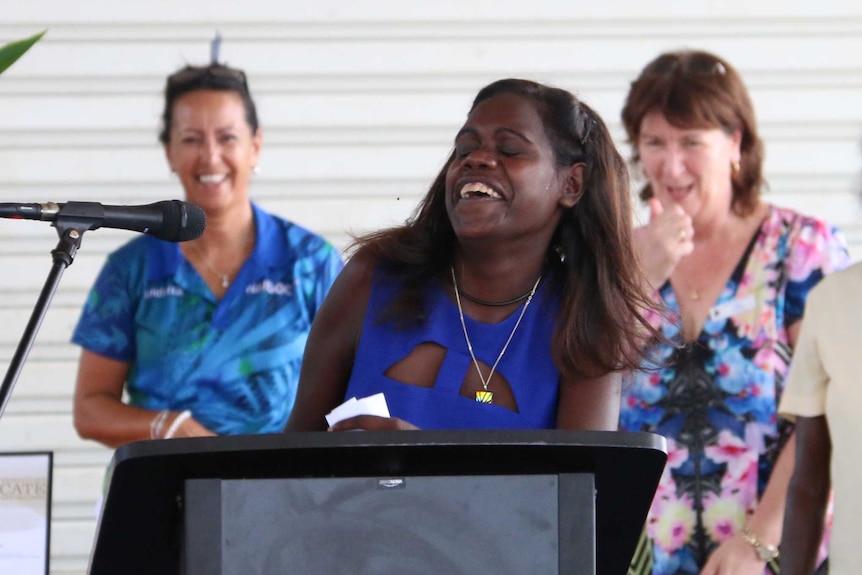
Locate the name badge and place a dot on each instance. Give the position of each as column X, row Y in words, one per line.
column 733, row 307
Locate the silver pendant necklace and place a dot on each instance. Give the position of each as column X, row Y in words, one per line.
column 223, row 278
column 485, row 395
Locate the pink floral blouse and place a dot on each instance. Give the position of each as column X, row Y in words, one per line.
column 716, row 399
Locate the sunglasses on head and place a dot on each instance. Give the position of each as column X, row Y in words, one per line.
column 192, row 74
column 689, row 64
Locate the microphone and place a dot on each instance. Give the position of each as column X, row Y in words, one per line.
column 170, row 220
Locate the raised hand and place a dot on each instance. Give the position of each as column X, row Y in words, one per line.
column 663, row 242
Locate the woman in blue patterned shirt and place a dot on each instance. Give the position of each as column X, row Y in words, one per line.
column 206, row 337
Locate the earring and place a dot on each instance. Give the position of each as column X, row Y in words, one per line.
column 561, row 253
column 255, row 170
column 734, row 167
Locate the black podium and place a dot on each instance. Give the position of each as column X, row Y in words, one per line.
column 400, row 503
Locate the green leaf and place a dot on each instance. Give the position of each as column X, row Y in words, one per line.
column 14, row 50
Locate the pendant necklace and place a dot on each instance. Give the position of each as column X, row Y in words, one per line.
column 693, row 293
column 486, row 396
column 224, row 278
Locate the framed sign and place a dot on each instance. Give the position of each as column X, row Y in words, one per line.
column 25, row 512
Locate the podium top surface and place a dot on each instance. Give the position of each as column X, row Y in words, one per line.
column 437, row 440
column 141, row 519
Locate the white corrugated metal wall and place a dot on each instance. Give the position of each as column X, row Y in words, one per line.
column 359, row 102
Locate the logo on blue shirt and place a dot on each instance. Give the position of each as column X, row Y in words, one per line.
column 160, row 292
column 270, row 287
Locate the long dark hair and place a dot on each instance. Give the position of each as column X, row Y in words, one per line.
column 599, row 326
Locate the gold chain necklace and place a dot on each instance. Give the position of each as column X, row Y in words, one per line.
column 486, row 396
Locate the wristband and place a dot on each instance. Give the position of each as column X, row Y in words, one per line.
column 175, row 425
column 157, row 423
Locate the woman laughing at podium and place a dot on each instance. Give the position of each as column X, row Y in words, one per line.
column 511, row 299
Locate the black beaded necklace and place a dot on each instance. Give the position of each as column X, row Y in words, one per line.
column 487, row 303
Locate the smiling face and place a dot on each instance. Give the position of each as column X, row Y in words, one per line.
column 212, row 149
column 689, row 167
column 503, row 181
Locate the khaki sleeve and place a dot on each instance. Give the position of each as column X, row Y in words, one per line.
column 805, row 392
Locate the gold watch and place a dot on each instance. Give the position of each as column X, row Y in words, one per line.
column 765, row 552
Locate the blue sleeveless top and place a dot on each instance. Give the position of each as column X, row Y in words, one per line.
column 526, row 365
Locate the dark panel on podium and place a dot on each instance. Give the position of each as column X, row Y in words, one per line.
column 249, row 504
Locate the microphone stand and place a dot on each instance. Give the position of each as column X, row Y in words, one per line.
column 70, row 229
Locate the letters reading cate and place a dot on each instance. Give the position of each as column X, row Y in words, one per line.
column 23, row 488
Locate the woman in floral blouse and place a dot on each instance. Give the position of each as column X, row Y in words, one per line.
column 733, row 273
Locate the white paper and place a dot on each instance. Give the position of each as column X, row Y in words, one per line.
column 24, row 500
column 371, row 405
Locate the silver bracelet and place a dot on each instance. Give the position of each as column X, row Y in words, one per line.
column 157, row 423
column 175, row 424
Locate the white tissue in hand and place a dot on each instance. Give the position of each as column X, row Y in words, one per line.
column 371, row 405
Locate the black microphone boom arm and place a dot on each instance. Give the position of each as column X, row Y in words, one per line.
column 170, row 220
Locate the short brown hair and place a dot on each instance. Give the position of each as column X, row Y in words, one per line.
column 696, row 89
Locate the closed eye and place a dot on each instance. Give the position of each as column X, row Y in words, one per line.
column 465, row 149
column 509, row 151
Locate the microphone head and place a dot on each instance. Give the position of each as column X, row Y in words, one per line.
column 181, row 221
